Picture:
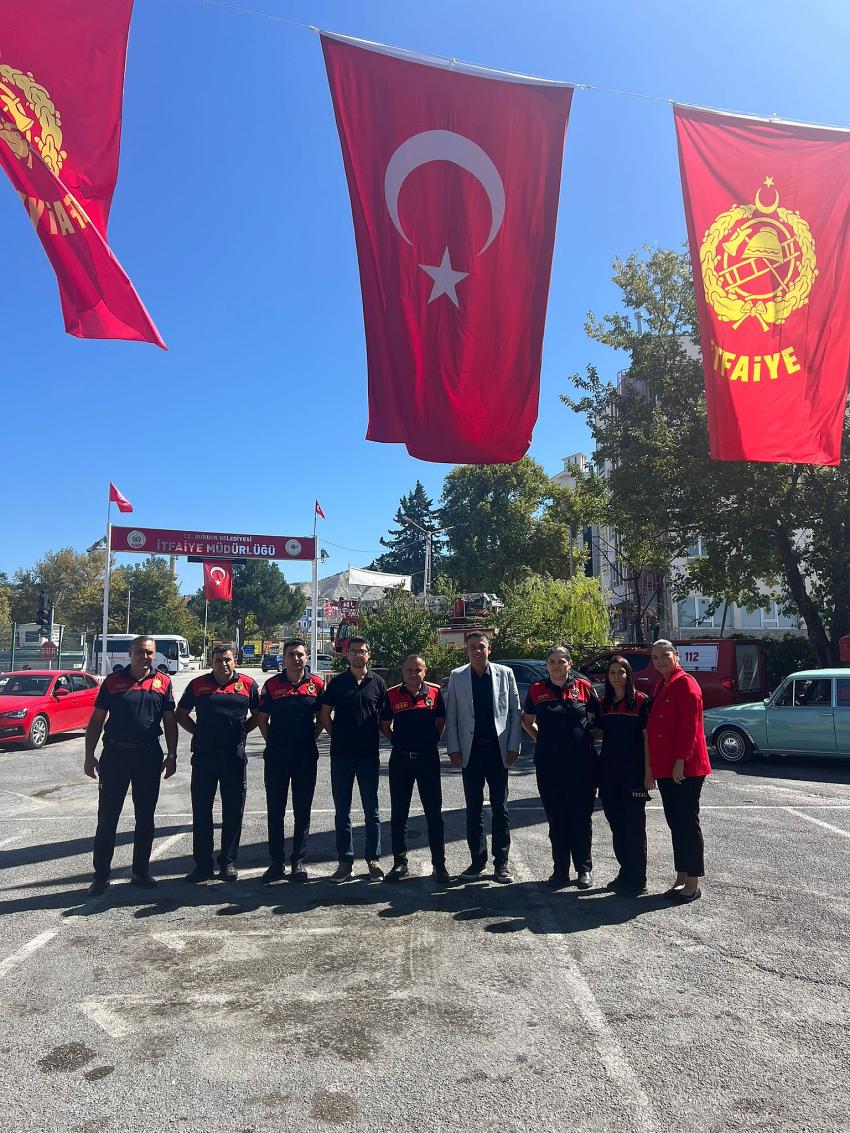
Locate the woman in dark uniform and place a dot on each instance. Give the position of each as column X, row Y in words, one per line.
column 624, row 775
column 558, row 715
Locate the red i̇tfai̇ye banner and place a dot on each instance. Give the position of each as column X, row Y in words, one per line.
column 61, row 86
column 218, row 581
column 454, row 178
column 768, row 211
column 211, row 544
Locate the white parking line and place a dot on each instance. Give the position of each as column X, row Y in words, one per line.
column 613, row 1057
column 27, row 950
column 818, row 821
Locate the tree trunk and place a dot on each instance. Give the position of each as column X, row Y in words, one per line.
column 634, row 579
column 814, row 623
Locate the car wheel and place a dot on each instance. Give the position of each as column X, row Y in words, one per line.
column 732, row 745
column 39, row 730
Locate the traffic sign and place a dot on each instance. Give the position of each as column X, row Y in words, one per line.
column 49, row 652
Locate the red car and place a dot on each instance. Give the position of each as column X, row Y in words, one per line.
column 35, row 703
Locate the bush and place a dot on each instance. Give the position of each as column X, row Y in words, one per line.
column 786, row 655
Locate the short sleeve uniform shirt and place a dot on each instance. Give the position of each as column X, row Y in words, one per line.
column 135, row 707
column 291, row 709
column 221, row 711
column 414, row 717
column 565, row 717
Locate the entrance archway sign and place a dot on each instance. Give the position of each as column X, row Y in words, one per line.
column 211, row 544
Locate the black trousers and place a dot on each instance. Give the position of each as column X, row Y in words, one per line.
column 567, row 797
column 405, row 772
column 121, row 768
column 627, row 818
column 681, row 809
column 225, row 772
column 485, row 766
column 285, row 770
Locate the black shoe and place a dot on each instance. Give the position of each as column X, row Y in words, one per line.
column 275, row 872
column 142, row 880
column 473, row 871
column 615, row 883
column 375, row 871
column 298, row 873
column 342, row 872
column 502, row 874
column 672, row 894
column 558, row 880
column 98, row 887
column 628, row 889
column 228, row 872
column 584, row 880
column 398, row 871
column 199, row 873
column 441, row 874
column 683, row 898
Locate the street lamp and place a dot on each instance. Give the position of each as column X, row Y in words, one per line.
column 429, row 535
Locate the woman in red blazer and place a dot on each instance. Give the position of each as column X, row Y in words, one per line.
column 678, row 758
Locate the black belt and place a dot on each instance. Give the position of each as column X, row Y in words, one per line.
column 415, row 754
column 131, row 747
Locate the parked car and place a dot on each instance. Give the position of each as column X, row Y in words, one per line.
column 727, row 671
column 526, row 673
column 36, row 703
column 272, row 661
column 809, row 714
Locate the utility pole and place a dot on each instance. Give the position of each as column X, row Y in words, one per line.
column 429, row 536
column 128, row 610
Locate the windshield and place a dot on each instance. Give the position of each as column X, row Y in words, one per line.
column 24, row 685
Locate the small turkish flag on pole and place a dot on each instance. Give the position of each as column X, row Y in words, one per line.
column 218, row 581
column 319, row 511
column 115, row 497
column 454, row 175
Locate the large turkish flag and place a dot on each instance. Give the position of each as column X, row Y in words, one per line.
column 454, row 178
column 218, row 581
column 768, row 211
column 61, row 87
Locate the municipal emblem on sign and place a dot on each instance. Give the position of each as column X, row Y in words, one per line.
column 758, row 261
column 136, row 539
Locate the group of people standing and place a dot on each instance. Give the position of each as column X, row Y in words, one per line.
column 482, row 720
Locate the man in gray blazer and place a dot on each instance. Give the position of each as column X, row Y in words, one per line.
column 483, row 731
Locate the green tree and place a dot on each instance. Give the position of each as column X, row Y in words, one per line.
column 156, row 604
column 73, row 580
column 781, row 524
column 405, row 545
column 5, row 600
column 507, row 520
column 541, row 611
column 259, row 591
column 396, row 626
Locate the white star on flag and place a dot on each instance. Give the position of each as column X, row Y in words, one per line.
column 445, row 279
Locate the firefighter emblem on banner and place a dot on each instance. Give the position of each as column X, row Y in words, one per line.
column 758, row 261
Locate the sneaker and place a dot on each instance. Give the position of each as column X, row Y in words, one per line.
column 199, row 873
column 228, row 872
column 558, row 880
column 502, row 874
column 298, row 873
column 98, row 887
column 142, row 880
column 440, row 873
column 473, row 871
column 342, row 872
column 398, row 871
column 375, row 871
column 584, row 880
column 275, row 872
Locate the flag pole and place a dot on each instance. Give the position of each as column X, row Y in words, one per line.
column 106, row 572
column 204, row 647
column 314, row 620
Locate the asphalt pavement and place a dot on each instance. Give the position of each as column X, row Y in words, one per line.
column 241, row 1008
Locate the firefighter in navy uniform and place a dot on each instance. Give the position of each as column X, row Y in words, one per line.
column 137, row 706
column 559, row 715
column 225, row 704
column 412, row 719
column 289, row 704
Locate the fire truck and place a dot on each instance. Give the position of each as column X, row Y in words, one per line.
column 470, row 613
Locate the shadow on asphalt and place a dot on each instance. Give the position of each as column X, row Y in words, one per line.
column 797, row 768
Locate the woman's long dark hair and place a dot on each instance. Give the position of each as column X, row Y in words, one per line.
column 608, row 698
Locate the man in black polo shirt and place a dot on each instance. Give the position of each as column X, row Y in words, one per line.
column 413, row 719
column 356, row 699
column 223, row 701
column 288, row 706
column 137, row 705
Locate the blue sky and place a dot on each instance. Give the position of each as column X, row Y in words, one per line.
column 231, row 217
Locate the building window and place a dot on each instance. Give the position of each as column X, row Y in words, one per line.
column 768, row 617
column 693, row 613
